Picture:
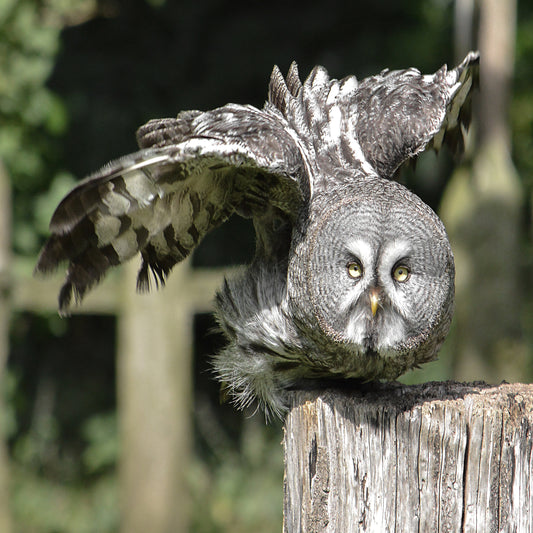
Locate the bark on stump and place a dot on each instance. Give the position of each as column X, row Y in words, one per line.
column 438, row 457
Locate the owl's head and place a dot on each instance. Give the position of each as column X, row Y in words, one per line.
column 380, row 276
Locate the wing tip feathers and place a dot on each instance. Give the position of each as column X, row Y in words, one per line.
column 282, row 90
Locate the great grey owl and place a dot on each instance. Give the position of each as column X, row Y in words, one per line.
column 353, row 275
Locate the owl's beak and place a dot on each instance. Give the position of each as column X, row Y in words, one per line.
column 374, row 301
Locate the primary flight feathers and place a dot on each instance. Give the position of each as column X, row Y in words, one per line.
column 196, row 170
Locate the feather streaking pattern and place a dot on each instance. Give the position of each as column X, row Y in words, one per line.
column 315, row 170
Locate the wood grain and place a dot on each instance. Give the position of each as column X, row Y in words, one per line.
column 438, row 457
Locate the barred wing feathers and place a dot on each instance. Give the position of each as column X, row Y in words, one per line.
column 196, row 170
column 192, row 173
column 377, row 123
column 398, row 114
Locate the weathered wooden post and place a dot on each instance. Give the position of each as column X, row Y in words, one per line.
column 154, row 397
column 438, row 457
column 154, row 359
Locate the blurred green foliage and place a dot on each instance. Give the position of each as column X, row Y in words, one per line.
column 242, row 490
column 32, row 117
column 76, row 78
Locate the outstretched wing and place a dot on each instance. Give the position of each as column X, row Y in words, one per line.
column 191, row 174
column 398, row 114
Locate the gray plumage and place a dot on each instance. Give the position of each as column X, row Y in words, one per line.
column 353, row 274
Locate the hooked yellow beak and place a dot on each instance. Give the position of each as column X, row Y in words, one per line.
column 374, row 301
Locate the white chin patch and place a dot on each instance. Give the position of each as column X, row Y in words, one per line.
column 357, row 327
column 391, row 330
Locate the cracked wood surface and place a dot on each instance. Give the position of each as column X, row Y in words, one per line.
column 437, row 457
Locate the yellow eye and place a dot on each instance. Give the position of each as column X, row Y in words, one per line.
column 401, row 273
column 355, row 270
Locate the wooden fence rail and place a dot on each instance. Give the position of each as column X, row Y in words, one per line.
column 154, row 353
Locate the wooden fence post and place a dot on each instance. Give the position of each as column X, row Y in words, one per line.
column 438, row 457
column 154, row 399
column 154, row 350
column 154, row 366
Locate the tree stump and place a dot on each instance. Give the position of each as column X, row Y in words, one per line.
column 438, row 457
